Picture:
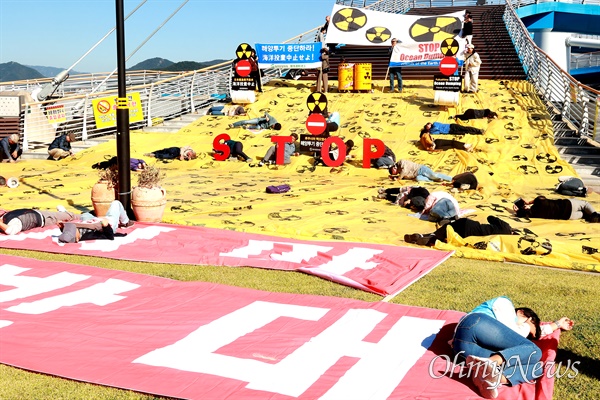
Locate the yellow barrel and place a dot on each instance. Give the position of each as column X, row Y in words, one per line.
column 345, row 77
column 362, row 76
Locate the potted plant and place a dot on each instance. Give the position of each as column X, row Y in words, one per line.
column 148, row 198
column 104, row 192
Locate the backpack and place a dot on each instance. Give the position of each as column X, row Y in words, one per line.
column 278, row 189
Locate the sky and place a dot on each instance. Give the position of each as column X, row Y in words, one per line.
column 58, row 33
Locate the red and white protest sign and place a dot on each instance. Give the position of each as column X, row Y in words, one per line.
column 448, row 66
column 316, row 123
column 243, row 68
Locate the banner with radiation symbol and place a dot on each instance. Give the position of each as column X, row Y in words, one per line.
column 419, row 37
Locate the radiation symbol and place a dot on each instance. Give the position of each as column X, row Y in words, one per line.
column 378, row 34
column 243, row 51
column 449, row 47
column 533, row 245
column 316, row 102
column 546, row 158
column 349, row 19
column 435, row 29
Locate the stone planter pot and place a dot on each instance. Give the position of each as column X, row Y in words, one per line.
column 148, row 203
column 102, row 197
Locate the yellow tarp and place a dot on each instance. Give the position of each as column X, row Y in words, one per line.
column 516, row 157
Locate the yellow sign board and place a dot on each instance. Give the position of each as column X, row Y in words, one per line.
column 56, row 114
column 105, row 110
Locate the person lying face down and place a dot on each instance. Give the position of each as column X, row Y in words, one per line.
column 464, row 227
column 439, row 128
column 185, row 153
column 24, row 219
column 564, row 209
column 472, row 113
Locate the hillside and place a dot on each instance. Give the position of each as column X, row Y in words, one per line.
column 161, row 64
column 51, row 72
column 12, row 71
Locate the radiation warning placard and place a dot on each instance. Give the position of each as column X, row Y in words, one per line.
column 422, row 40
column 105, row 110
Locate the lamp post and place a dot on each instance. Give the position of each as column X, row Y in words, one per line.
column 123, row 155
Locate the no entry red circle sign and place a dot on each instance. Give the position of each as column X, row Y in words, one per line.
column 316, row 124
column 448, row 66
column 243, row 68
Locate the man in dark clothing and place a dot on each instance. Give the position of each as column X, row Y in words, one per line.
column 10, row 150
column 24, row 219
column 472, row 113
column 61, row 147
column 541, row 207
column 464, row 227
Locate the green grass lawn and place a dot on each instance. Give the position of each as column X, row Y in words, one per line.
column 458, row 284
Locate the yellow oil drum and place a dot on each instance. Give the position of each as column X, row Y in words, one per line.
column 362, row 76
column 345, row 77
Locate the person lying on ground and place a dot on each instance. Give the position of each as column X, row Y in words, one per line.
column 265, row 122
column 402, row 196
column 406, row 169
column 465, row 181
column 24, row 219
column 185, row 153
column 230, row 110
column 236, row 150
column 472, row 113
column 464, row 227
column 135, row 164
column 571, row 186
column 290, row 149
column 495, row 340
column 437, row 206
column 10, row 150
column 61, row 147
column 386, row 161
column 439, row 128
column 93, row 228
column 431, row 144
column 565, row 209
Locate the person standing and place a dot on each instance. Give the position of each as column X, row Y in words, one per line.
column 61, row 147
column 395, row 71
column 10, row 150
column 467, row 30
column 472, row 64
column 322, row 80
column 254, row 70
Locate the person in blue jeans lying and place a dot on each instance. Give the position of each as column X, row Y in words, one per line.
column 406, row 169
column 265, row 122
column 439, row 128
column 495, row 339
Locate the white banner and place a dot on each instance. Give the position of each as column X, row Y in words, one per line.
column 419, row 37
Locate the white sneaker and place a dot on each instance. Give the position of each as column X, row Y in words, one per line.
column 61, row 208
column 485, row 376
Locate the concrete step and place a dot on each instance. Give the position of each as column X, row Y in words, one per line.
column 578, row 150
column 175, row 124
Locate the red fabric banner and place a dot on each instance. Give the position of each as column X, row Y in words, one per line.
column 381, row 269
column 205, row 341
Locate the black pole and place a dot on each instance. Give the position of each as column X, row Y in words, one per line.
column 122, row 114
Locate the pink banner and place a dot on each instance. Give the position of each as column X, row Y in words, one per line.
column 205, row 341
column 381, row 269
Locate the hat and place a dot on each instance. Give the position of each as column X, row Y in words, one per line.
column 418, row 202
column 470, row 46
column 68, row 234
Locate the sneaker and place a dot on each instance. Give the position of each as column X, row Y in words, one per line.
column 128, row 224
column 260, row 164
column 381, row 190
column 468, row 147
column 486, row 376
column 230, row 126
column 61, row 208
column 382, row 196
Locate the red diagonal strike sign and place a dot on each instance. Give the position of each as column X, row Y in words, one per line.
column 243, row 68
column 448, row 66
column 316, row 123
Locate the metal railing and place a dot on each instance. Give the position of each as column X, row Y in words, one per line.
column 585, row 60
column 575, row 102
column 166, row 95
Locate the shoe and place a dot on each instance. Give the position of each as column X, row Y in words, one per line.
column 230, row 126
column 128, row 224
column 61, row 208
column 260, row 164
column 381, row 190
column 468, row 147
column 486, row 376
column 412, row 238
column 594, row 218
